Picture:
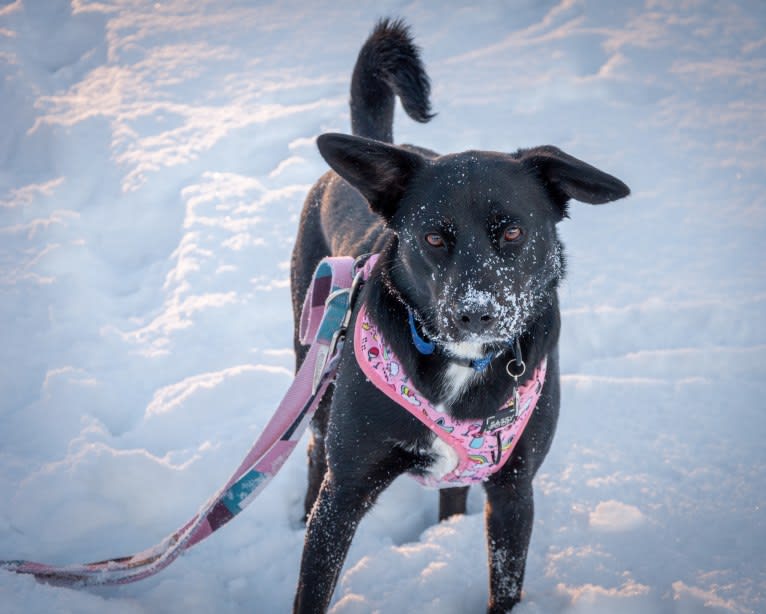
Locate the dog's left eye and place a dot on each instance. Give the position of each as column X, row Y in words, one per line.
column 512, row 233
column 434, row 239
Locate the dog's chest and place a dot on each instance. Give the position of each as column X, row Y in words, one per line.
column 457, row 376
column 452, row 451
column 455, row 380
column 442, row 457
column 439, row 458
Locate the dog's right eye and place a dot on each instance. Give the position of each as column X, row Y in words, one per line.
column 434, row 239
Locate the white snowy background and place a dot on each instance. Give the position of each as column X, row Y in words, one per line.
column 153, row 161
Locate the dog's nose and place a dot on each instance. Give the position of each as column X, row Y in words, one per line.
column 474, row 321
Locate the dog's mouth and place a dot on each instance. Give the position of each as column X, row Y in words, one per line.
column 474, row 344
column 471, row 345
column 467, row 325
column 477, row 349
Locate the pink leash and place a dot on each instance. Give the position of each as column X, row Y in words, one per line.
column 325, row 316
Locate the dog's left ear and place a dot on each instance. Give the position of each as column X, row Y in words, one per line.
column 567, row 177
column 380, row 171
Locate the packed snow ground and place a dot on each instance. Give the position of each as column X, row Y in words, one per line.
column 153, row 161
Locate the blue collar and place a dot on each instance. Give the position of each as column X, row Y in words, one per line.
column 479, row 364
column 423, row 346
column 427, row 347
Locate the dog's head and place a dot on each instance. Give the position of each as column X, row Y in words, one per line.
column 478, row 254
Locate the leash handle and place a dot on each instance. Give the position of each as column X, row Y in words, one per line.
column 331, row 274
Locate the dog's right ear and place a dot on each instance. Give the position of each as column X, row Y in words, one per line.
column 567, row 177
column 380, row 171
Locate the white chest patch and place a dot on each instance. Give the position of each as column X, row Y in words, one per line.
column 457, row 377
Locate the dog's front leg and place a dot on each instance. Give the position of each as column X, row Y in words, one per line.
column 340, row 506
column 509, row 515
column 316, row 453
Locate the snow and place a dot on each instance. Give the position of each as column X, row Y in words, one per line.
column 153, row 161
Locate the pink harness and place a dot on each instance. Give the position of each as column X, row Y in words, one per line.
column 481, row 449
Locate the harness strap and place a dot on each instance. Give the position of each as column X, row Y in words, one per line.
column 325, row 313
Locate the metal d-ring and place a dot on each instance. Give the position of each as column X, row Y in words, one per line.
column 513, row 374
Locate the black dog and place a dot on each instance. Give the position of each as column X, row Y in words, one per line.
column 469, row 264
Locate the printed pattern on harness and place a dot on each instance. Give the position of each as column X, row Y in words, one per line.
column 477, row 449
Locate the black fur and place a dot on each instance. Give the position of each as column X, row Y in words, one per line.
column 388, row 65
column 478, row 287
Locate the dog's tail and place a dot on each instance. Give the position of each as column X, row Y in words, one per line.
column 388, row 65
